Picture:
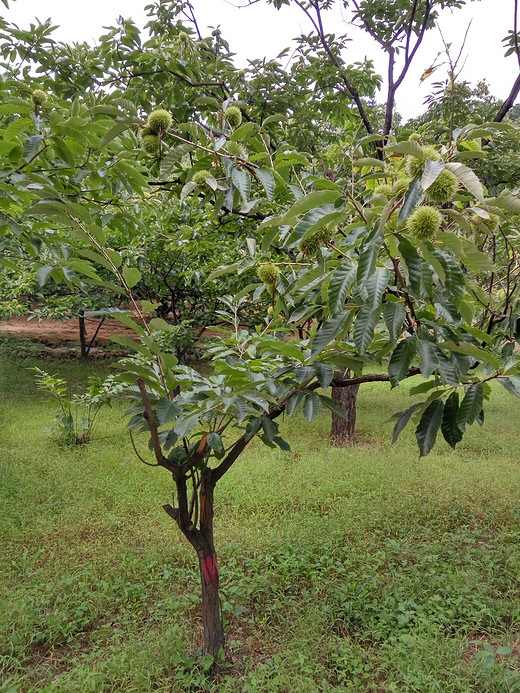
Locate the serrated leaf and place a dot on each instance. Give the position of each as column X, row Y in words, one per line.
column 328, row 332
column 42, row 274
column 477, row 352
column 330, row 404
column 449, row 427
column 166, row 411
column 512, row 385
column 426, row 431
column 16, row 127
column 364, row 327
column 315, row 199
column 414, row 264
column 214, row 441
column 31, row 146
column 266, row 177
column 413, row 197
column 114, row 132
column 403, row 417
column 376, row 285
column 394, row 314
column 340, row 285
column 173, row 157
column 311, row 406
column 324, row 374
column 401, row 360
column 428, row 358
column 293, row 402
column 409, row 147
column 242, row 181
column 471, row 405
column 245, row 131
column 432, row 169
column 468, row 179
column 508, row 202
column 368, row 257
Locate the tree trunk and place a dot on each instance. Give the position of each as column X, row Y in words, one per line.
column 83, row 335
column 214, row 639
column 342, row 431
column 213, row 631
column 202, row 541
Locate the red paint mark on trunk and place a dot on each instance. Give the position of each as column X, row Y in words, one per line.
column 209, row 568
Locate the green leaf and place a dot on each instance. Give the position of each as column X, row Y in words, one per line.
column 512, row 384
column 42, row 274
column 409, row 147
column 131, row 275
column 471, row 405
column 328, row 332
column 376, row 285
column 31, row 146
column 401, row 359
column 245, row 131
column 428, row 358
column 114, row 132
column 368, row 257
column 432, row 170
column 173, row 157
column 242, row 180
column 293, row 403
column 477, row 352
column 468, row 179
column 394, row 314
column 413, row 263
column 364, row 327
column 449, row 427
column 313, row 220
column 166, row 411
column 215, row 442
column 16, row 127
column 324, row 374
column 511, row 203
column 310, row 201
column 413, row 197
column 270, row 428
column 340, row 284
column 330, row 404
column 426, row 431
column 311, row 406
column 402, row 418
column 266, row 177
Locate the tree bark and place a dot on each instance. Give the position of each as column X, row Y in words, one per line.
column 214, row 638
column 202, row 541
column 83, row 335
column 342, row 430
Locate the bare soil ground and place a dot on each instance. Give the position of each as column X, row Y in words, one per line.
column 62, row 333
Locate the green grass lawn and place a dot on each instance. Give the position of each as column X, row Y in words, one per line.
column 357, row 569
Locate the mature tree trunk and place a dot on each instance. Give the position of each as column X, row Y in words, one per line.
column 342, row 431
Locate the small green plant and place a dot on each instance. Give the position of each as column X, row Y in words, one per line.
column 77, row 413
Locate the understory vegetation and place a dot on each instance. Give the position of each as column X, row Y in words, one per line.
column 353, row 569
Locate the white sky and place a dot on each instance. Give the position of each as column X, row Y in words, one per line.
column 260, row 31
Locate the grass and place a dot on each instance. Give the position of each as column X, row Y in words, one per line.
column 358, row 569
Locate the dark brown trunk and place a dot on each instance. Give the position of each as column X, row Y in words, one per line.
column 202, row 541
column 83, row 335
column 342, row 431
column 213, row 631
